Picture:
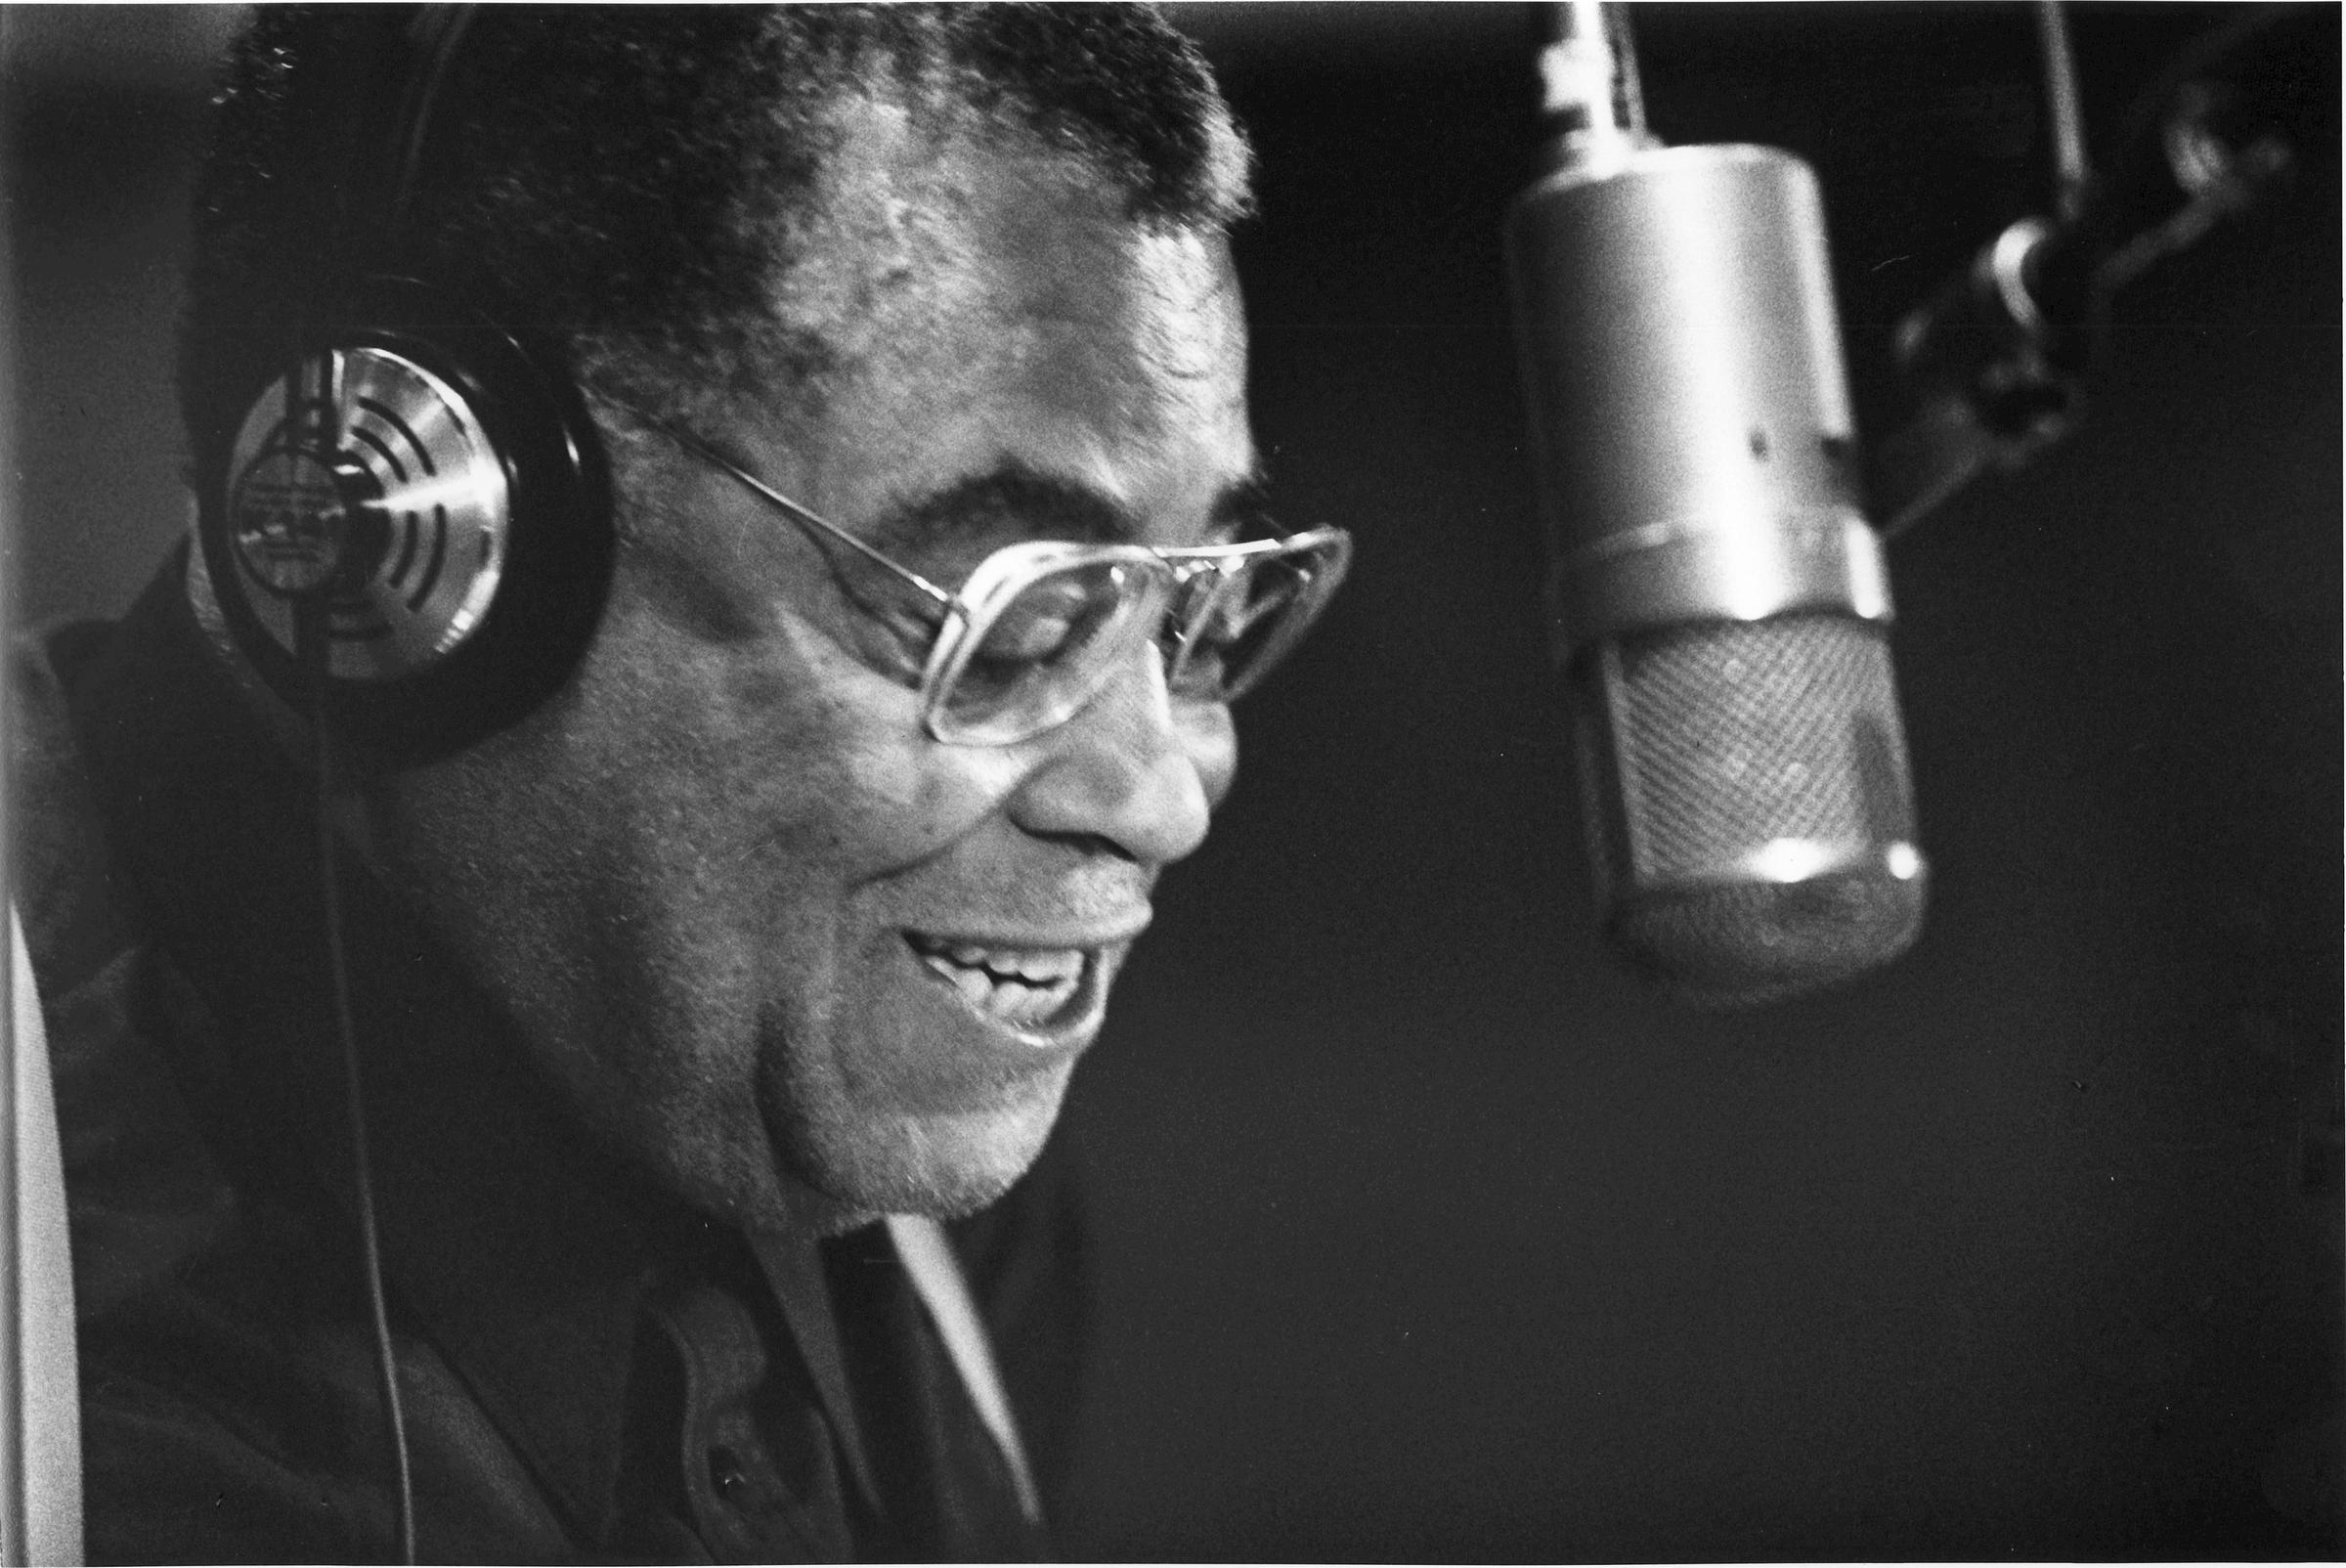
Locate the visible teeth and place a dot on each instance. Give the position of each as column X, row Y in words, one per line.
column 1020, row 987
column 1017, row 1002
column 1035, row 966
column 1044, row 968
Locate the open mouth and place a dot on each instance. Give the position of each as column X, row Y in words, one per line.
column 1023, row 987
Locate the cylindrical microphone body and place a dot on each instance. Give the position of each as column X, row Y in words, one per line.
column 1720, row 603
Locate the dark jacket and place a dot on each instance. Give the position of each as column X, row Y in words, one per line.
column 588, row 1369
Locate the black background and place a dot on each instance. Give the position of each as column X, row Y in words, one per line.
column 1423, row 1231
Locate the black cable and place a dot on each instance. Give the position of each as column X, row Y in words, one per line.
column 429, row 37
column 310, row 624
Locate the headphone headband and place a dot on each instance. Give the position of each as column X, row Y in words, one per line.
column 433, row 34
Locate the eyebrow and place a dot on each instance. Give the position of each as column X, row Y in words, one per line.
column 1052, row 506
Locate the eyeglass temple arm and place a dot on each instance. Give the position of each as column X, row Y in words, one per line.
column 791, row 508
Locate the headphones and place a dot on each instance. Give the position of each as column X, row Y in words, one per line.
column 405, row 512
column 409, row 523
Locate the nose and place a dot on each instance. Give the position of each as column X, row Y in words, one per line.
column 1134, row 771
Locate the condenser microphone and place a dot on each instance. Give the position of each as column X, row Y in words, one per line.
column 1720, row 604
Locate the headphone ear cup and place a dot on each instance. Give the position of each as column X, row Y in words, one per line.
column 430, row 490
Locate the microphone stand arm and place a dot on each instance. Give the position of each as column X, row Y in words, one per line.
column 1591, row 101
column 1998, row 357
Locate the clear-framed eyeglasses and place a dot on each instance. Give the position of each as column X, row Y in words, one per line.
column 1041, row 627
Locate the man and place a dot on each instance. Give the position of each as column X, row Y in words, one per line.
column 788, row 903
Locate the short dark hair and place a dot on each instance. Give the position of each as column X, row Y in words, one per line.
column 632, row 175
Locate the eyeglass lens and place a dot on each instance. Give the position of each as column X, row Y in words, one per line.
column 1047, row 651
column 1243, row 621
column 1050, row 649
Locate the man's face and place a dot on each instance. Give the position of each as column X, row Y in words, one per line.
column 739, row 902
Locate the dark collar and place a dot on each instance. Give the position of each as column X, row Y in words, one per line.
column 519, row 1245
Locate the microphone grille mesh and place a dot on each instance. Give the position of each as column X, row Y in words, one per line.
column 1709, row 743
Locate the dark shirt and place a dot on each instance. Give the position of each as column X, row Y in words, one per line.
column 588, row 1367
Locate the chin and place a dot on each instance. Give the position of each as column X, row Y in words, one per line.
column 940, row 1166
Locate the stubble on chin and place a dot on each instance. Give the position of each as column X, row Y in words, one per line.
column 862, row 1163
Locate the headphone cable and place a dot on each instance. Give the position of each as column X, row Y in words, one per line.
column 311, row 628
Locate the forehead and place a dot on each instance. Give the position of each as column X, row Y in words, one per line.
column 991, row 310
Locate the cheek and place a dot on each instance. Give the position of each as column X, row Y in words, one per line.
column 778, row 762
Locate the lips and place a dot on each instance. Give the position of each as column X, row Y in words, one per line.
column 1022, row 988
